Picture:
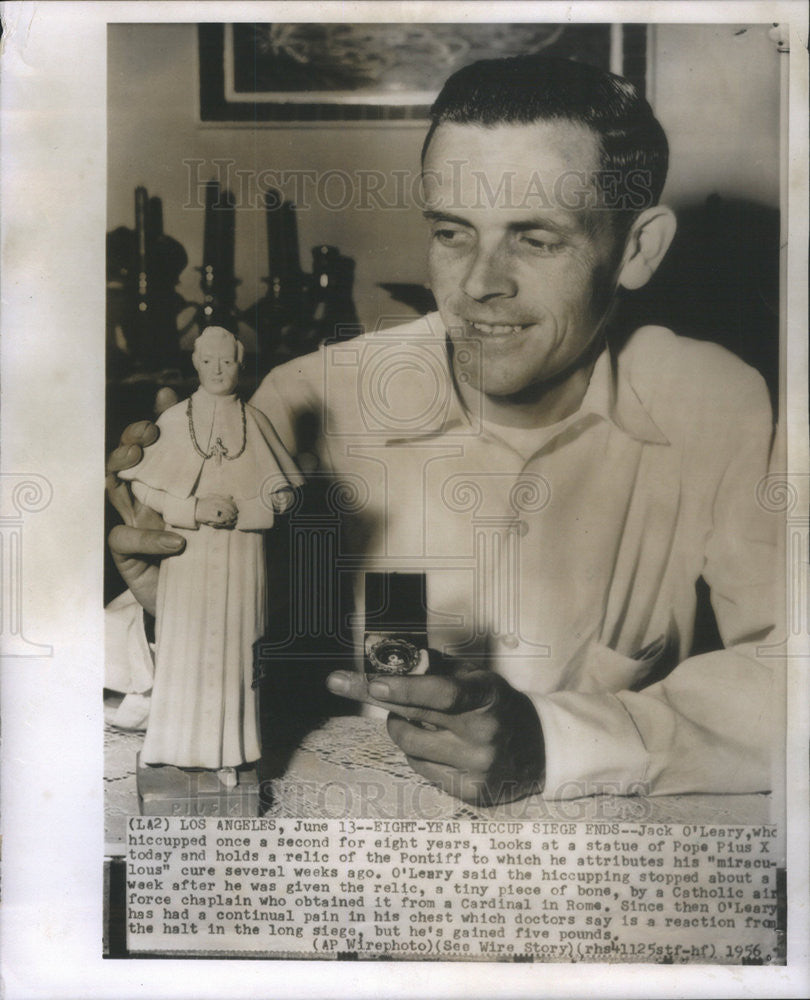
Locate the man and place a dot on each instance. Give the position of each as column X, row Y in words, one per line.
column 563, row 494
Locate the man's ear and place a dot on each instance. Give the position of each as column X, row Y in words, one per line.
column 647, row 242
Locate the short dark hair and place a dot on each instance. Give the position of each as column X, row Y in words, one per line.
column 522, row 90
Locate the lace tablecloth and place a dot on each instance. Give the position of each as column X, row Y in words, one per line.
column 349, row 768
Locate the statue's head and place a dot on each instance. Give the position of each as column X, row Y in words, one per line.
column 217, row 358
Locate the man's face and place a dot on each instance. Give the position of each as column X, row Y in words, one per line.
column 521, row 259
column 218, row 369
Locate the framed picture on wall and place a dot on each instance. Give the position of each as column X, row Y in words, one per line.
column 284, row 72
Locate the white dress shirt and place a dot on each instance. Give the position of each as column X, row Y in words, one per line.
column 568, row 556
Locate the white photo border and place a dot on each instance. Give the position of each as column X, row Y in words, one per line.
column 53, row 223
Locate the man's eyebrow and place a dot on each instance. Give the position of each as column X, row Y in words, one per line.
column 555, row 225
column 433, row 216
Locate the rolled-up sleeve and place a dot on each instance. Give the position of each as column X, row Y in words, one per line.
column 706, row 728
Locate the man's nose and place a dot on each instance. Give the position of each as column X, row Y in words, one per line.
column 489, row 275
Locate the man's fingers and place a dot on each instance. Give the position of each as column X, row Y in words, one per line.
column 142, row 433
column 352, row 684
column 120, row 497
column 166, row 397
column 134, row 439
column 443, row 694
column 468, row 785
column 408, row 697
column 133, row 550
column 129, row 452
column 457, row 783
column 437, row 694
column 128, row 541
column 141, row 578
column 124, row 457
column 441, row 746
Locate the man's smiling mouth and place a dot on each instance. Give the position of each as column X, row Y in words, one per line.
column 497, row 328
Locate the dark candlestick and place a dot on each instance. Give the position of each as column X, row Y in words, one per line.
column 274, row 207
column 141, row 201
column 218, row 281
column 226, row 215
column 210, row 235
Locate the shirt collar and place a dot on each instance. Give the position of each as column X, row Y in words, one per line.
column 609, row 395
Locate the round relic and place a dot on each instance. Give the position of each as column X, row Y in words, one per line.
column 393, row 656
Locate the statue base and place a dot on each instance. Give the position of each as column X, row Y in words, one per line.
column 173, row 791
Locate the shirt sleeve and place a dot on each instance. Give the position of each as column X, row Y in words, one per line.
column 709, row 725
column 292, row 397
column 281, row 408
column 706, row 728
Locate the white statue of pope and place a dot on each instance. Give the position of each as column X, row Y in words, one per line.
column 217, row 474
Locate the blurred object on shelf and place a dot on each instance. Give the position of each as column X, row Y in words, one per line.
column 217, row 278
column 151, row 328
column 332, row 312
column 277, row 315
column 143, row 268
column 299, row 311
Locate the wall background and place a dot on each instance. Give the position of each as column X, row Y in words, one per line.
column 715, row 89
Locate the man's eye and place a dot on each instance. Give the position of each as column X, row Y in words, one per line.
column 450, row 237
column 542, row 244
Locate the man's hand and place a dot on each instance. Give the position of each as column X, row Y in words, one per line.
column 140, row 540
column 466, row 730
